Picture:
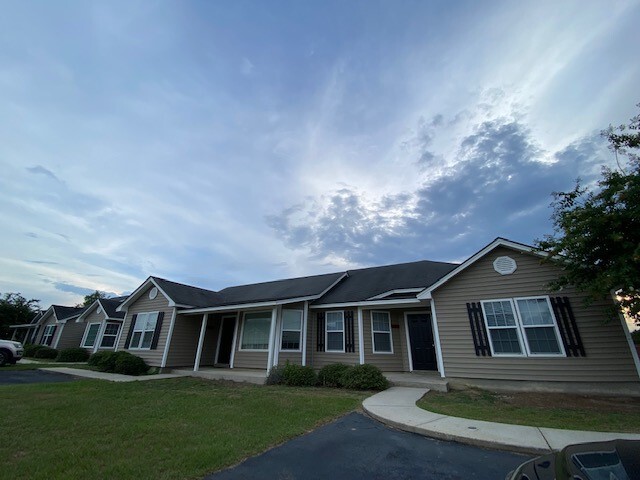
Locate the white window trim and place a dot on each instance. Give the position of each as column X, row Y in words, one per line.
column 86, row 334
column 326, row 332
column 520, row 329
column 51, row 328
column 142, row 332
column 115, row 340
column 373, row 332
column 556, row 330
column 240, row 349
column 282, row 329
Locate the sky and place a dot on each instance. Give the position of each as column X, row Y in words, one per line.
column 231, row 142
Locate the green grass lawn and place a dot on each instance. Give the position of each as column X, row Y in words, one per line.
column 573, row 412
column 160, row 429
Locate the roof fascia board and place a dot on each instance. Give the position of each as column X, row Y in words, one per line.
column 368, row 303
column 498, row 242
column 397, row 290
column 86, row 313
column 138, row 292
column 244, row 306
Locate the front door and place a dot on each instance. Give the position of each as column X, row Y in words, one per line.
column 423, row 350
column 226, row 340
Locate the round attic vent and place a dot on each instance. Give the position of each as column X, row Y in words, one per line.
column 153, row 293
column 99, row 310
column 504, row 265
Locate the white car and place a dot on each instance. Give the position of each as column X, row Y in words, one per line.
column 10, row 352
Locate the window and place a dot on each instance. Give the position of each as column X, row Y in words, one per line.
column 381, row 332
column 334, row 339
column 47, row 336
column 90, row 336
column 255, row 331
column 109, row 335
column 143, row 330
column 522, row 326
column 291, row 330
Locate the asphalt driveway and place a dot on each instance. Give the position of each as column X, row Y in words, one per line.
column 357, row 447
column 13, row 377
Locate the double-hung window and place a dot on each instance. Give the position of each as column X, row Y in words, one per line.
column 522, row 326
column 110, row 334
column 381, row 332
column 291, row 330
column 47, row 336
column 143, row 330
column 90, row 336
column 334, row 332
column 255, row 331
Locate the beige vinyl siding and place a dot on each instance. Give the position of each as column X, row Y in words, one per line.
column 291, row 357
column 607, row 352
column 70, row 335
column 248, row 358
column 184, row 341
column 396, row 362
column 320, row 359
column 141, row 305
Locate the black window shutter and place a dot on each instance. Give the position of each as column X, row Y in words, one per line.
column 133, row 324
column 349, row 340
column 478, row 329
column 320, row 332
column 156, row 333
column 568, row 327
column 53, row 334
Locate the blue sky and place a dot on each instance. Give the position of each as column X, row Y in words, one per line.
column 220, row 143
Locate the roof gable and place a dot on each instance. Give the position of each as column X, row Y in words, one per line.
column 498, row 242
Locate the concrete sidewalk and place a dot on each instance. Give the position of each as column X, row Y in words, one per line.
column 397, row 407
column 112, row 377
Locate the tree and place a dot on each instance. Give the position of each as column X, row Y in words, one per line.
column 596, row 237
column 15, row 310
column 92, row 297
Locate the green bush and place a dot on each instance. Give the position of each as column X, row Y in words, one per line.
column 636, row 337
column 299, row 376
column 72, row 355
column 31, row 349
column 276, row 376
column 331, row 375
column 103, row 361
column 128, row 364
column 46, row 352
column 364, row 377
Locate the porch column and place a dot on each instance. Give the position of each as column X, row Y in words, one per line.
column 436, row 337
column 360, row 336
column 13, row 335
column 203, row 332
column 276, row 342
column 235, row 340
column 305, row 315
column 272, row 334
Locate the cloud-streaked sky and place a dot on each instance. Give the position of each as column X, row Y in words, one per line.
column 219, row 143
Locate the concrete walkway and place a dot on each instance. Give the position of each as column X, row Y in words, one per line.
column 397, row 407
column 112, row 377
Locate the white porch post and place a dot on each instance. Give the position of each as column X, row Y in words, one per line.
column 276, row 342
column 203, row 331
column 235, row 340
column 360, row 336
column 272, row 334
column 436, row 337
column 305, row 315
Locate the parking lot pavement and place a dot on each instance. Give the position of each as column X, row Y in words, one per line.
column 13, row 377
column 358, row 447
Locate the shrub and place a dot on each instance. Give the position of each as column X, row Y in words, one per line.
column 104, row 361
column 128, row 364
column 634, row 335
column 364, row 377
column 72, row 355
column 299, row 376
column 276, row 376
column 46, row 352
column 331, row 375
column 31, row 349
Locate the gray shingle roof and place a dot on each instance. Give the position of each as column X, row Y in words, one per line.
column 183, row 294
column 365, row 283
column 110, row 305
column 62, row 312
